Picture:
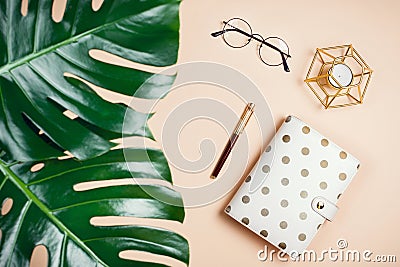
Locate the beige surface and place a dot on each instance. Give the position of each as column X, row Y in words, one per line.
column 369, row 209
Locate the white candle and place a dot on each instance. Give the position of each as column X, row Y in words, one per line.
column 342, row 73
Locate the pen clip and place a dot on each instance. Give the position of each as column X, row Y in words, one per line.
column 244, row 119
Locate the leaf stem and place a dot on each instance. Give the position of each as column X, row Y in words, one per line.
column 51, row 48
column 24, row 188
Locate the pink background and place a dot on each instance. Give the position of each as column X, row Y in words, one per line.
column 369, row 209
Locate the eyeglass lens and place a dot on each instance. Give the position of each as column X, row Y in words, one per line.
column 233, row 33
column 270, row 56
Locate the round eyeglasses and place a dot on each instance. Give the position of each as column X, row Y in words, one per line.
column 237, row 33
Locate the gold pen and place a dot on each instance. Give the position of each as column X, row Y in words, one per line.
column 244, row 119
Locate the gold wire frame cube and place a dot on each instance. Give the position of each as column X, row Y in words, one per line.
column 320, row 77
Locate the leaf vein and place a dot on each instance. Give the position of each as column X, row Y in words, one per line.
column 9, row 31
column 24, row 211
column 101, row 200
column 72, row 171
column 35, row 30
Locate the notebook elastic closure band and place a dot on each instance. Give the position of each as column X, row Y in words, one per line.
column 324, row 207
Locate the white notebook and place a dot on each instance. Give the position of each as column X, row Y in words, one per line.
column 300, row 178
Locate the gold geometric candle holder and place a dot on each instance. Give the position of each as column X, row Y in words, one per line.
column 338, row 76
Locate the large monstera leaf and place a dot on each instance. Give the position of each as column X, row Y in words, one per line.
column 47, row 211
column 35, row 54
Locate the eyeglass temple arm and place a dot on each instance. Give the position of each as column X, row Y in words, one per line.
column 218, row 33
column 284, row 62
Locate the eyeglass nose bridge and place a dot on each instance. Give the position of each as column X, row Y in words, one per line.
column 259, row 39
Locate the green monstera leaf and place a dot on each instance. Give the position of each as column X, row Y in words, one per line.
column 47, row 209
column 36, row 52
